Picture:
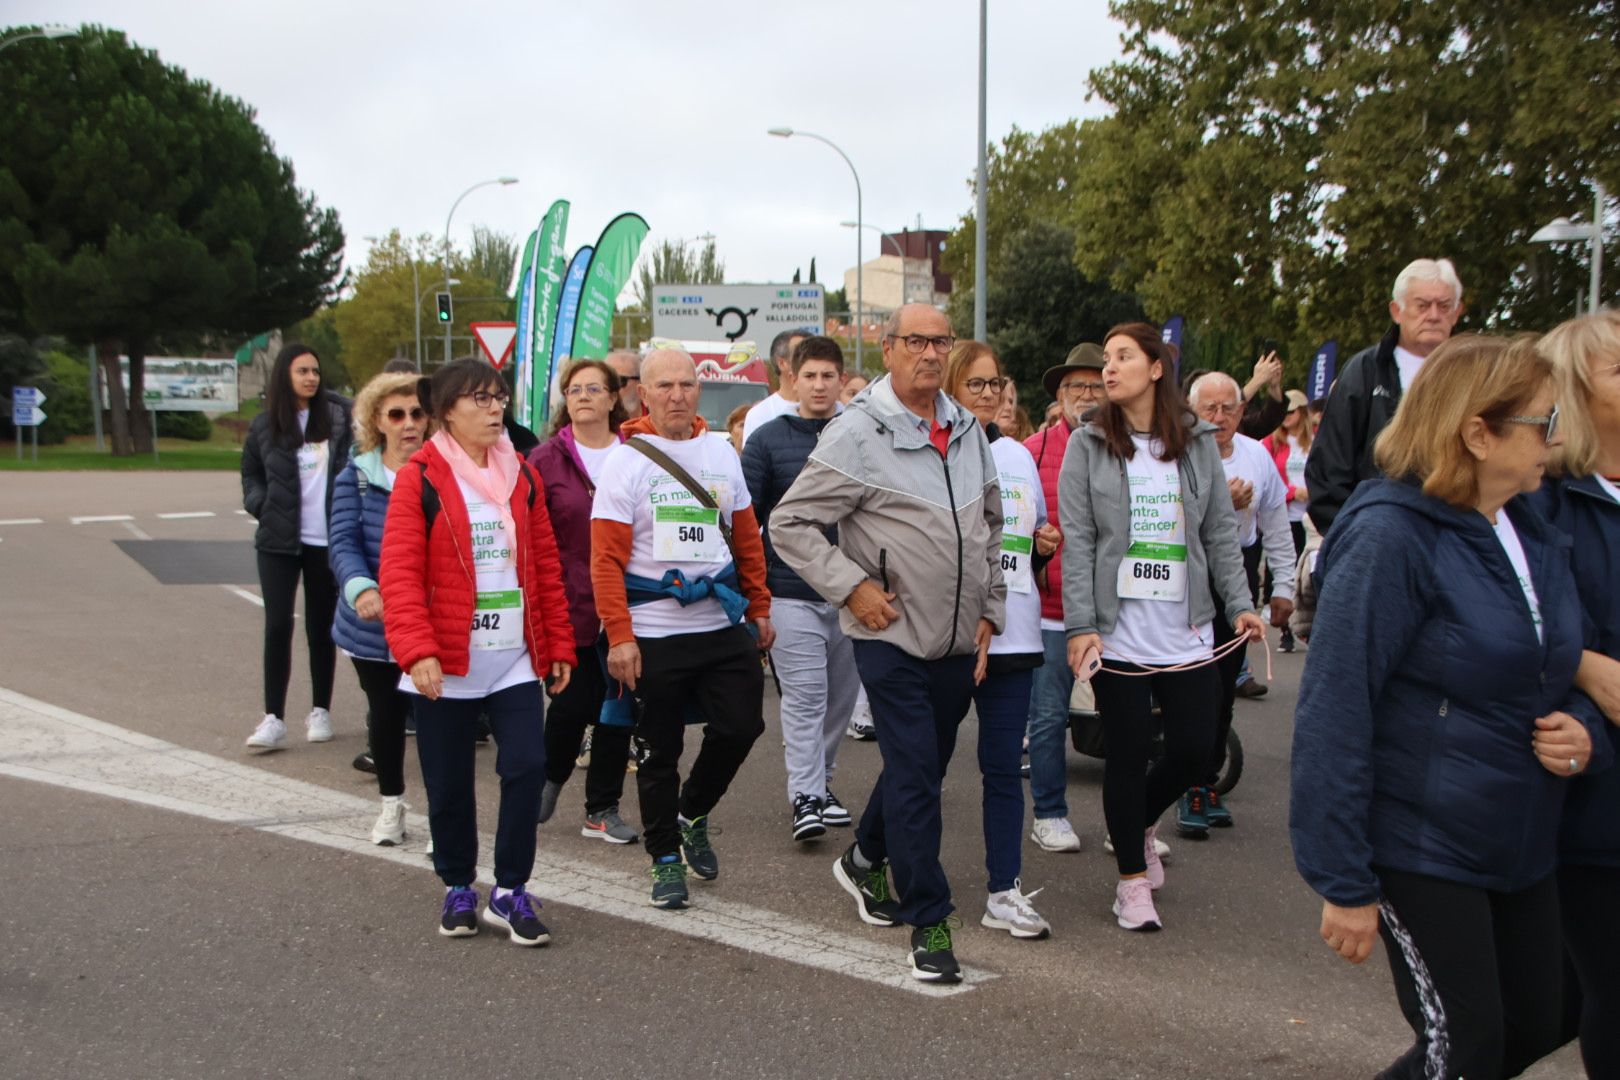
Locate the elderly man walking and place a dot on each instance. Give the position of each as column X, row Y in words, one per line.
column 907, row 477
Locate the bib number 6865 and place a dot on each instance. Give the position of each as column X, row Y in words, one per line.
column 1148, row 571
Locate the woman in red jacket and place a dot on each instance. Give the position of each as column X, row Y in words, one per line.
column 476, row 617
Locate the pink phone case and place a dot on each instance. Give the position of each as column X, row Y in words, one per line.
column 1090, row 663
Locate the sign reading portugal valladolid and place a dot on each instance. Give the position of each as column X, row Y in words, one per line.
column 754, row 313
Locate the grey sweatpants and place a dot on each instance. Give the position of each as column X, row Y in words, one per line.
column 815, row 664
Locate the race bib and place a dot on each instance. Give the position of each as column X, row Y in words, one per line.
column 688, row 534
column 498, row 620
column 1153, row 571
column 1016, row 552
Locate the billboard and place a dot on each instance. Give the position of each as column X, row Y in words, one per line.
column 737, row 312
column 183, row 384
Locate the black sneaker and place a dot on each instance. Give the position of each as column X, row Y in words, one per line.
column 931, row 957
column 669, row 883
column 460, row 915
column 870, row 888
column 364, row 763
column 807, row 823
column 695, row 844
column 833, row 813
column 514, row 913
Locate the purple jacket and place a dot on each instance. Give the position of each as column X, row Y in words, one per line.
column 569, row 494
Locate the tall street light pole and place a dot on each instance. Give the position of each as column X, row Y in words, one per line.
column 503, row 181
column 860, row 295
column 51, row 31
column 882, row 236
column 981, row 192
column 1563, row 231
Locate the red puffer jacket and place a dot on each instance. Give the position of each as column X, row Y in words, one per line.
column 427, row 580
column 1048, row 447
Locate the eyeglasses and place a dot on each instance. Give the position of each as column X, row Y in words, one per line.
column 1550, row 422
column 590, row 390
column 484, row 399
column 1081, row 386
column 917, row 344
column 397, row 415
column 978, row 386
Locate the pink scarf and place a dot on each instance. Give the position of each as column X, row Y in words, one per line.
column 496, row 490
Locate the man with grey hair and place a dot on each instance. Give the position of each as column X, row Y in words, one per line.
column 626, row 363
column 1425, row 305
column 785, row 402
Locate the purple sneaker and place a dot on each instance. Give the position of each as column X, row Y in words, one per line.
column 514, row 913
column 1133, row 905
column 460, row 915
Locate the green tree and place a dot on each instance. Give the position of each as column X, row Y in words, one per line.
column 676, row 262
column 492, row 256
column 139, row 204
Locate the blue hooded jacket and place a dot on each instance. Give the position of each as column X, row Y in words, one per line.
column 1582, row 509
column 354, row 548
column 1412, row 737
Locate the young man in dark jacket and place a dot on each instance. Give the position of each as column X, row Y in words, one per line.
column 813, row 659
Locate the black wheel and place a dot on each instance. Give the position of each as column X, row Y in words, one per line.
column 1233, row 772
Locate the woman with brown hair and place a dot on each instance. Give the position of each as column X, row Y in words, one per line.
column 1150, row 548
column 1437, row 731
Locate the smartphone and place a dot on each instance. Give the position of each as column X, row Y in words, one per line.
column 1268, row 346
column 1090, row 663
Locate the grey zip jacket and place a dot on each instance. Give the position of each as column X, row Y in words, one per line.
column 932, row 526
column 1097, row 527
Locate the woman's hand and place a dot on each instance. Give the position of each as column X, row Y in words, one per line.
column 560, row 674
column 428, row 677
column 1350, row 931
column 981, row 647
column 1561, row 744
column 1079, row 645
column 1252, row 624
column 1047, row 539
column 1599, row 679
column 368, row 605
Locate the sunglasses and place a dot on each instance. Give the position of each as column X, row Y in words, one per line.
column 397, row 415
column 1550, row 422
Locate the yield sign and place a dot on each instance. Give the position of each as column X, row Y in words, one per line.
column 496, row 339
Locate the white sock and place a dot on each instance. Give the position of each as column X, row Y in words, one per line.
column 859, row 858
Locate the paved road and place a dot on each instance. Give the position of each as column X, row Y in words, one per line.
column 175, row 906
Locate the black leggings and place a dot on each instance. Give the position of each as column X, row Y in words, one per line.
column 278, row 580
column 388, row 706
column 1133, row 795
column 1479, row 974
column 571, row 712
column 1587, row 895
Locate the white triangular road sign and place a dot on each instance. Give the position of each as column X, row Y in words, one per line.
column 496, row 340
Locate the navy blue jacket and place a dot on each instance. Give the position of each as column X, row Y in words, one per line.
column 772, row 459
column 1420, row 695
column 1582, row 509
column 354, row 548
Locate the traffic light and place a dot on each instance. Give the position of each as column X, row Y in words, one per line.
column 445, row 316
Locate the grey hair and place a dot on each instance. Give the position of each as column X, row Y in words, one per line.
column 1439, row 270
column 1212, row 376
column 631, row 353
column 891, row 325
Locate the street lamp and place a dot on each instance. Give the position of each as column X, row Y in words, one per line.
column 53, row 30
column 860, row 296
column 882, row 236
column 1564, row 231
column 503, row 181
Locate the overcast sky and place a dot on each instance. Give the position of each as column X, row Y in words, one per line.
column 389, row 110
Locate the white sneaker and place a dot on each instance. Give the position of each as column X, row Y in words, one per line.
column 861, row 728
column 271, row 734
column 1055, row 834
column 1012, row 911
column 318, row 726
column 1161, row 848
column 390, row 827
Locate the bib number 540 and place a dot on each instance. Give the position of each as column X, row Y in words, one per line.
column 690, row 534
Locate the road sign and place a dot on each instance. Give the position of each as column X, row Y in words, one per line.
column 754, row 313
column 25, row 406
column 496, row 339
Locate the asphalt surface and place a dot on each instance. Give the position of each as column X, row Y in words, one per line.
column 140, row 941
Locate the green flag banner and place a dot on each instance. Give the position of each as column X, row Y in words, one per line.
column 610, row 268
column 522, row 293
column 548, row 266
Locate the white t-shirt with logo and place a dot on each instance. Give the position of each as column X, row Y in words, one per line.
column 1249, row 461
column 1296, row 478
column 593, row 459
column 1153, row 626
column 498, row 656
column 312, row 469
column 1408, row 364
column 1023, row 508
column 670, row 529
column 1509, row 539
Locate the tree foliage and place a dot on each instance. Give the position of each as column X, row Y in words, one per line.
column 138, row 204
column 676, row 262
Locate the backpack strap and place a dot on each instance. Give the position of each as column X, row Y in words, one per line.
column 698, row 492
column 430, row 499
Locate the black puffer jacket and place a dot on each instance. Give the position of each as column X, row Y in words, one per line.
column 772, row 459
column 1361, row 404
column 270, row 490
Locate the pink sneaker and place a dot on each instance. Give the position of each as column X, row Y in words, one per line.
column 1150, row 852
column 1133, row 905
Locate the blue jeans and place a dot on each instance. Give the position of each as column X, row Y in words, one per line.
column 1003, row 706
column 1049, row 728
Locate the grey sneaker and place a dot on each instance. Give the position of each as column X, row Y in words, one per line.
column 548, row 802
column 609, row 826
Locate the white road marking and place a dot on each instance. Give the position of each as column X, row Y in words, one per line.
column 51, row 745
column 22, row 521
column 97, row 519
column 244, row 594
column 242, row 512
column 136, row 531
column 187, row 514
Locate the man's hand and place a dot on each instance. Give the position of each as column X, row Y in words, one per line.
column 1047, row 539
column 561, row 673
column 766, row 633
column 981, row 647
column 871, row 606
column 1561, row 744
column 624, row 663
column 1242, row 492
column 1599, row 679
column 428, row 677
column 1280, row 610
column 1267, row 376
column 1350, row 931
column 368, row 605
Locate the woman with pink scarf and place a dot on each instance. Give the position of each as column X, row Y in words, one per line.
column 477, row 617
